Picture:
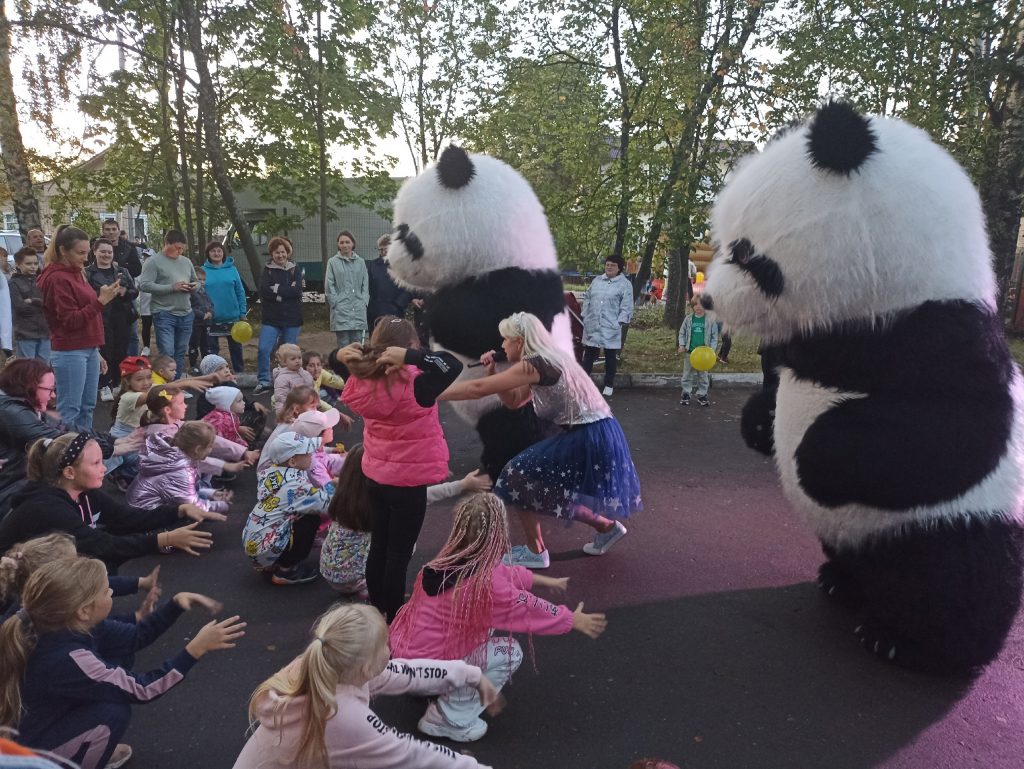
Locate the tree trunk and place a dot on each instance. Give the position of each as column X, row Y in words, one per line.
column 167, row 153
column 625, row 131
column 1003, row 191
column 198, row 166
column 12, row 148
column 207, row 104
column 186, row 184
column 675, row 298
column 321, row 139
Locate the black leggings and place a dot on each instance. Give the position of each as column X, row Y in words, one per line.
column 398, row 513
column 611, row 363
column 147, row 329
column 303, row 533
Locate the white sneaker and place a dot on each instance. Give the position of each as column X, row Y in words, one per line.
column 121, row 755
column 436, row 725
column 603, row 542
column 105, row 395
column 608, row 391
column 145, row 352
column 521, row 555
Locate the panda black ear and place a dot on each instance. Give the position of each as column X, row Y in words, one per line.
column 454, row 167
column 840, row 138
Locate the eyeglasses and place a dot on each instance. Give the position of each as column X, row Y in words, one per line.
column 48, row 389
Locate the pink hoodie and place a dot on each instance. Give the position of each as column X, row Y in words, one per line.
column 355, row 736
column 419, row 628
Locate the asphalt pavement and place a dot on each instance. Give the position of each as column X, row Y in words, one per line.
column 720, row 652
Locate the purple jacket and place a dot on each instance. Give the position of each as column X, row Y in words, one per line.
column 166, row 476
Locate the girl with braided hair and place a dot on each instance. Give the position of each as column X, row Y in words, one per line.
column 458, row 600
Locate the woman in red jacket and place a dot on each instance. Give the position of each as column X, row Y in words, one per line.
column 75, row 316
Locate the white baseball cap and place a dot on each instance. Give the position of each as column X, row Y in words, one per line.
column 284, row 446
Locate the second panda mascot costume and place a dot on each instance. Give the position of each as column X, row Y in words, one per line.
column 471, row 233
column 856, row 246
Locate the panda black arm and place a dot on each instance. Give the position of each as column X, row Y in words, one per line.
column 464, row 317
column 898, row 453
column 439, row 369
column 758, row 422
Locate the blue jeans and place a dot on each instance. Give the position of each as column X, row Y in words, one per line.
column 237, row 361
column 270, row 337
column 33, row 348
column 77, row 375
column 172, row 335
column 133, row 338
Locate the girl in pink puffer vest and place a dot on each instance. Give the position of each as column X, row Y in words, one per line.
column 393, row 385
column 169, row 471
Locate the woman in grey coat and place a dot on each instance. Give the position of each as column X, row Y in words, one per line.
column 607, row 307
column 347, row 288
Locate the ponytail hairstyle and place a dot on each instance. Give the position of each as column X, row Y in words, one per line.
column 349, row 645
column 193, row 437
column 158, row 398
column 350, row 506
column 51, row 597
column 48, row 457
column 64, row 238
column 297, row 396
column 537, row 342
column 388, row 331
column 478, row 540
column 24, row 558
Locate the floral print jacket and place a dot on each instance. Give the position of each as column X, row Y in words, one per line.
column 283, row 494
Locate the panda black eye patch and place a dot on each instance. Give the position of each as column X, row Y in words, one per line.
column 410, row 241
column 764, row 271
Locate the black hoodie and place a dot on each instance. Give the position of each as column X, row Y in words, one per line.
column 102, row 527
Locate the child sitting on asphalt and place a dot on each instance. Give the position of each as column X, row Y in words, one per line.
column 698, row 330
column 328, row 384
column 316, row 711
column 228, row 406
column 253, row 420
column 281, row 528
column 458, row 601
column 289, row 373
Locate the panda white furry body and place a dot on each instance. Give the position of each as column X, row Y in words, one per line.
column 471, row 233
column 856, row 248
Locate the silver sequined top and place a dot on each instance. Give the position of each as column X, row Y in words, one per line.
column 554, row 400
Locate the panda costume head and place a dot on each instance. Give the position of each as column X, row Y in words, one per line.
column 855, row 248
column 845, row 218
column 465, row 216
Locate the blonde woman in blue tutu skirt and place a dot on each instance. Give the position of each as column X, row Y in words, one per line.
column 584, row 473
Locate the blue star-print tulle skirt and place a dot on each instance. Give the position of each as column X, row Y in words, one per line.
column 586, row 466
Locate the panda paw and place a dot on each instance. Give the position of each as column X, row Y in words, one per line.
column 836, row 585
column 878, row 642
column 757, row 423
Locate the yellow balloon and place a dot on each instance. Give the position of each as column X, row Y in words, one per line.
column 700, row 277
column 703, row 358
column 241, row 331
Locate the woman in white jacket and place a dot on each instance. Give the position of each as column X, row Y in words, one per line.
column 607, row 307
column 315, row 713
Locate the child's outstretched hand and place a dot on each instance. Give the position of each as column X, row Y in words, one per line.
column 198, row 514
column 475, row 482
column 216, row 635
column 234, row 467
column 150, row 580
column 224, row 495
column 591, row 625
column 490, row 698
column 247, row 433
column 251, row 457
column 187, row 601
column 150, row 601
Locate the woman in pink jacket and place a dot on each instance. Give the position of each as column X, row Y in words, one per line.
column 404, row 447
column 315, row 713
column 460, row 598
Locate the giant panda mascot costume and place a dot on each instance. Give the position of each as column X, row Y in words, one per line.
column 857, row 247
column 471, row 233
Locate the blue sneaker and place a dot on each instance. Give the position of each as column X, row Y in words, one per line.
column 523, row 556
column 603, row 542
